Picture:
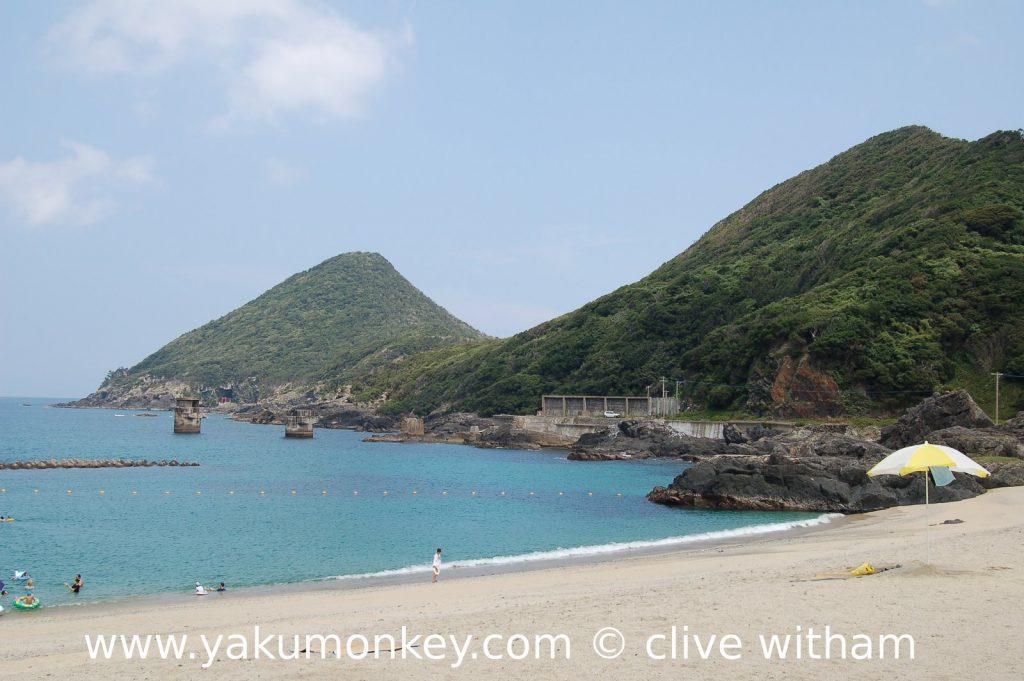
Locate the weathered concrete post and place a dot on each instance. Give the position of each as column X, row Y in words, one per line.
column 187, row 418
column 412, row 425
column 299, row 423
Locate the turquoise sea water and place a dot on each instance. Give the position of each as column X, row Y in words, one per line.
column 156, row 530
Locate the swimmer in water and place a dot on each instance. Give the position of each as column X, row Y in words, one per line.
column 76, row 586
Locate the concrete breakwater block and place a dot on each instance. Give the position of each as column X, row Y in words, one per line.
column 91, row 463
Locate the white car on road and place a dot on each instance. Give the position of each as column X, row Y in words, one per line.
column 612, row 414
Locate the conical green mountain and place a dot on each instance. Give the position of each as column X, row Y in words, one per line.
column 894, row 268
column 352, row 313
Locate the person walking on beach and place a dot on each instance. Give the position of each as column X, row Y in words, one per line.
column 76, row 586
column 437, row 565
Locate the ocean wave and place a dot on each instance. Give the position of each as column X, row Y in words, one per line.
column 601, row 549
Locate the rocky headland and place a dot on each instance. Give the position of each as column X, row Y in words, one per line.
column 819, row 471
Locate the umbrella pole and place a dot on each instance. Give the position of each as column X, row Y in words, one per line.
column 927, row 550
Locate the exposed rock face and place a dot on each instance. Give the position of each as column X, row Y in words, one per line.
column 818, row 441
column 445, row 425
column 800, row 389
column 641, row 440
column 355, row 418
column 984, row 442
column 636, row 439
column 148, row 394
column 936, row 413
column 328, row 415
column 821, row 484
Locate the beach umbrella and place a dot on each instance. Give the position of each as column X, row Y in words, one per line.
column 924, row 458
column 920, row 458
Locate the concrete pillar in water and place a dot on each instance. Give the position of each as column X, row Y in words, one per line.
column 299, row 423
column 187, row 417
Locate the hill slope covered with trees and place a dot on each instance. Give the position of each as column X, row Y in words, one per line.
column 351, row 314
column 892, row 269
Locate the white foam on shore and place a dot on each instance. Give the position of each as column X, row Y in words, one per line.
column 601, row 549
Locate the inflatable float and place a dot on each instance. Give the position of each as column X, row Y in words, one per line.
column 20, row 603
column 20, row 576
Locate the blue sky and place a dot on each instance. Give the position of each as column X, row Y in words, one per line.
column 163, row 162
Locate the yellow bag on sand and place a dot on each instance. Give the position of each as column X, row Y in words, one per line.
column 862, row 570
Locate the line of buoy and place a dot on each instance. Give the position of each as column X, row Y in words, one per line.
column 294, row 492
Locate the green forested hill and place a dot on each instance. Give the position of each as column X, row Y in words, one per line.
column 894, row 268
column 352, row 313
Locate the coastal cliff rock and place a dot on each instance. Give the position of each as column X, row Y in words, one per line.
column 354, row 418
column 980, row 442
column 943, row 411
column 636, row 439
column 328, row 414
column 819, row 441
column 820, row 484
column 146, row 393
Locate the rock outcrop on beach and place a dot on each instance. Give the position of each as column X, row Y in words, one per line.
column 819, row 484
column 638, row 439
column 943, row 411
column 1004, row 474
column 817, row 469
column 979, row 442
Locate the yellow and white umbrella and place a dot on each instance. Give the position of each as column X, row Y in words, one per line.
column 921, row 458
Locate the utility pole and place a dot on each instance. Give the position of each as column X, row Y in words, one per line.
column 677, row 388
column 997, row 375
column 664, row 393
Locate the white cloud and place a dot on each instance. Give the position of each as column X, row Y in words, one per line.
column 276, row 57
column 74, row 190
column 283, row 173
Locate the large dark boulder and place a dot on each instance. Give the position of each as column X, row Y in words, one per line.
column 935, row 413
column 733, row 436
column 820, row 484
column 1004, row 474
column 1014, row 425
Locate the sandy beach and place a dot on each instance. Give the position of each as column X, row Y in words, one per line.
column 957, row 594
